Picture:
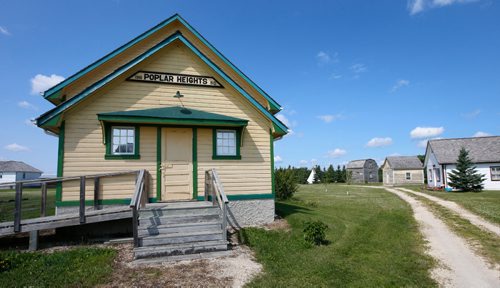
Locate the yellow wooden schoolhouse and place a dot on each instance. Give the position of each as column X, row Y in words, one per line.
column 170, row 103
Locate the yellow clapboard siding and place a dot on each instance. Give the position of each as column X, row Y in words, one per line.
column 84, row 147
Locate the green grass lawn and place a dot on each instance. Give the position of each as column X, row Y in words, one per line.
column 30, row 206
column 81, row 267
column 485, row 203
column 374, row 242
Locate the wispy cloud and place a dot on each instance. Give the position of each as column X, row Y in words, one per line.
column 14, row 147
column 4, row 31
column 358, row 68
column 303, row 163
column 336, row 153
column 335, row 76
column 278, row 159
column 471, row 114
column 418, row 6
column 379, row 142
column 426, row 132
column 30, row 122
column 41, row 83
column 481, row 134
column 324, row 58
column 399, row 84
column 27, row 105
column 329, row 117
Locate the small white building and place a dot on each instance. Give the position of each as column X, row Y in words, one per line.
column 441, row 157
column 12, row 171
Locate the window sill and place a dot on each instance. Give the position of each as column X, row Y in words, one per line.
column 122, row 157
column 237, row 157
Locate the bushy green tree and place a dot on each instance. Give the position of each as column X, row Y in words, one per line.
column 465, row 177
column 285, row 183
column 329, row 174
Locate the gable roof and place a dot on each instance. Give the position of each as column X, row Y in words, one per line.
column 274, row 106
column 172, row 115
column 404, row 162
column 17, row 166
column 481, row 149
column 51, row 115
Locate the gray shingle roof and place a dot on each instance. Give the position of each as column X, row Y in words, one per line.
column 481, row 149
column 356, row 164
column 404, row 162
column 17, row 166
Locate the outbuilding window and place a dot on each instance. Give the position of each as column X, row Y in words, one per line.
column 438, row 174
column 226, row 144
column 122, row 142
column 495, row 173
column 408, row 176
column 1, row 175
column 430, row 175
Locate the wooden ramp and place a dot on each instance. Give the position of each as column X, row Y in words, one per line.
column 58, row 221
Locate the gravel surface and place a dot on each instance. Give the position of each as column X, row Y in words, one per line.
column 458, row 265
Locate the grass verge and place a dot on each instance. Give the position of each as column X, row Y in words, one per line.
column 485, row 203
column 373, row 242
column 483, row 242
column 30, row 205
column 80, row 267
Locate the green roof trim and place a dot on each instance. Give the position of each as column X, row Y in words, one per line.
column 44, row 118
column 50, row 93
column 172, row 115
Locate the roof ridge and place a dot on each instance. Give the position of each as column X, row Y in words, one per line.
column 462, row 138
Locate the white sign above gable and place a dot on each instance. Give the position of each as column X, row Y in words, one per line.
column 176, row 79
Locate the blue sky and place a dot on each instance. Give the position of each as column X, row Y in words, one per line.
column 357, row 79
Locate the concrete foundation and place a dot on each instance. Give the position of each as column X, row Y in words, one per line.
column 242, row 213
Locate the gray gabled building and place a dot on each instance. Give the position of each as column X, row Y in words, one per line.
column 400, row 170
column 363, row 171
column 12, row 171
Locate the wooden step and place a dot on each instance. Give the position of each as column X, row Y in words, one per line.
column 166, row 220
column 160, row 212
column 180, row 249
column 175, row 228
column 181, row 237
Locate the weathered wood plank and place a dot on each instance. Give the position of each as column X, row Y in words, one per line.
column 43, row 207
column 17, row 211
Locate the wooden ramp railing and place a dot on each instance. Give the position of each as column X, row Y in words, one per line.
column 140, row 196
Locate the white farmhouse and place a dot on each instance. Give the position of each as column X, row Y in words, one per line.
column 441, row 158
column 12, row 171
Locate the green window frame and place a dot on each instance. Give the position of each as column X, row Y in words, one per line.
column 217, row 134
column 110, row 155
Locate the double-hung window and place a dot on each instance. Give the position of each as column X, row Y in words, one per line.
column 408, row 175
column 122, row 143
column 226, row 144
column 495, row 173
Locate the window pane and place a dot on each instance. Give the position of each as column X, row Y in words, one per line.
column 123, row 140
column 226, row 143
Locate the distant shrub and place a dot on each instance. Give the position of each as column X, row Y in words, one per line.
column 314, row 232
column 285, row 183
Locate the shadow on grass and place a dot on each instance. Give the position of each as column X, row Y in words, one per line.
column 286, row 209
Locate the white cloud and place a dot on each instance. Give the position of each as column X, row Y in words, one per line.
column 284, row 120
column 399, row 84
column 329, row 118
column 14, row 147
column 278, row 159
column 27, row 105
column 379, row 142
column 481, row 134
column 30, row 122
column 4, row 31
column 422, row 143
column 303, row 163
column 358, row 68
column 472, row 114
column 325, row 58
column 337, row 152
column 417, row 6
column 335, row 76
column 426, row 132
column 41, row 83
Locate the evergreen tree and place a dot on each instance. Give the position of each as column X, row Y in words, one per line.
column 343, row 175
column 465, row 177
column 319, row 174
column 330, row 174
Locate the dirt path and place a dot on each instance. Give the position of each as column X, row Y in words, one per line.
column 458, row 265
column 464, row 213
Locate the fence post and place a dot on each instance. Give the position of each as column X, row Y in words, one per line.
column 96, row 193
column 43, row 208
column 135, row 224
column 82, row 199
column 17, row 211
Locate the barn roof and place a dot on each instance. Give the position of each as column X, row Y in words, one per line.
column 404, row 162
column 17, row 166
column 354, row 164
column 481, row 149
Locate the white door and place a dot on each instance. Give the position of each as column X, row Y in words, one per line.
column 177, row 166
